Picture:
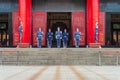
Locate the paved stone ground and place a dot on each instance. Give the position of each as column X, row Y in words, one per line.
column 59, row 72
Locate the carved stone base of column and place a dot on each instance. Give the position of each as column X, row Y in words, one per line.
column 94, row 45
column 23, row 45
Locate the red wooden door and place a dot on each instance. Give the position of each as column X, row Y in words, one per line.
column 102, row 28
column 15, row 28
column 39, row 21
column 78, row 21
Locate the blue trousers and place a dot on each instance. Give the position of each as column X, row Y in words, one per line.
column 58, row 43
column 64, row 43
column 77, row 43
column 20, row 37
column 49, row 43
column 39, row 43
column 96, row 38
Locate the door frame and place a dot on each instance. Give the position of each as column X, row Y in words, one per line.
column 112, row 31
column 68, row 20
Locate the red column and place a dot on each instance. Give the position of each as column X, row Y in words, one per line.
column 92, row 17
column 25, row 17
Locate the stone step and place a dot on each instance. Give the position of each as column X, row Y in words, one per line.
column 54, row 56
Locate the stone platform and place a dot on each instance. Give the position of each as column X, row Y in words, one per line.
column 61, row 56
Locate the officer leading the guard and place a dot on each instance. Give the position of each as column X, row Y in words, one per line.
column 77, row 38
column 39, row 37
column 65, row 38
column 58, row 36
column 49, row 38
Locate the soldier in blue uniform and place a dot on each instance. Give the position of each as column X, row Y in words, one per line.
column 39, row 37
column 77, row 38
column 21, row 31
column 58, row 36
column 65, row 38
column 49, row 38
column 96, row 32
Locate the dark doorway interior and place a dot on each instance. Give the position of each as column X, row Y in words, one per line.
column 115, row 29
column 59, row 19
column 4, row 30
column 116, row 33
column 54, row 29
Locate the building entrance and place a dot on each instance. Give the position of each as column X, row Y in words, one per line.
column 115, row 29
column 116, row 34
column 4, row 32
column 59, row 19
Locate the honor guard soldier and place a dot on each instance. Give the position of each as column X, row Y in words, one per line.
column 77, row 38
column 58, row 36
column 49, row 38
column 21, row 31
column 96, row 32
column 39, row 37
column 65, row 38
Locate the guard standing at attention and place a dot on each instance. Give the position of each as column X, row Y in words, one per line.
column 96, row 32
column 49, row 38
column 77, row 35
column 58, row 36
column 39, row 37
column 65, row 38
column 21, row 31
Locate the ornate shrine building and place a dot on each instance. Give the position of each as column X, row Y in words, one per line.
column 67, row 14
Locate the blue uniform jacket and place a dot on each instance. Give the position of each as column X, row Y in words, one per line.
column 96, row 30
column 50, row 36
column 39, row 35
column 20, row 29
column 58, row 34
column 77, row 35
column 65, row 36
